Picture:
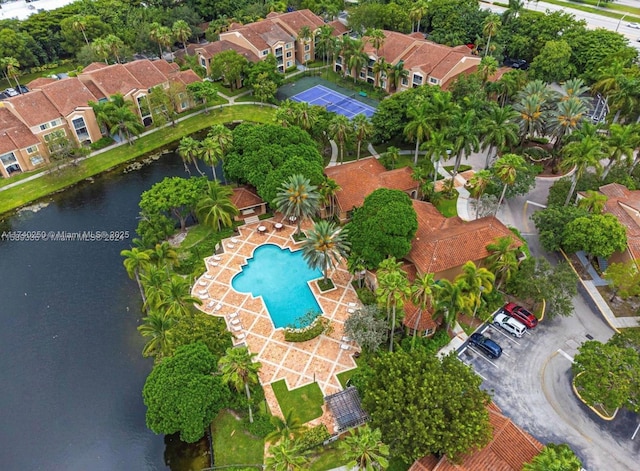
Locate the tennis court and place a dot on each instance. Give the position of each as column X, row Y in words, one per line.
column 334, row 101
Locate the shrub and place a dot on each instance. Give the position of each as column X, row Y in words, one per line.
column 261, row 426
column 366, row 296
column 325, row 285
column 317, row 327
column 430, row 344
column 313, row 437
column 101, row 143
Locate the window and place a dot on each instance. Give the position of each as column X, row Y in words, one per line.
column 279, row 52
column 8, row 159
column 289, row 55
column 362, row 75
column 36, row 160
column 433, row 80
column 307, row 57
column 45, row 126
column 265, row 52
column 32, row 149
column 203, row 62
column 405, row 81
column 183, row 105
column 80, row 128
column 288, row 46
column 307, row 47
column 54, row 135
column 289, row 64
column 417, row 79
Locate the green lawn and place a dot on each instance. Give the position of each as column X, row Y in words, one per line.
column 38, row 188
column 589, row 9
column 328, row 458
column 227, row 91
column 346, row 376
column 448, row 207
column 232, row 444
column 305, row 401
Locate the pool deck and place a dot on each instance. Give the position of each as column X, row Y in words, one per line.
column 300, row 363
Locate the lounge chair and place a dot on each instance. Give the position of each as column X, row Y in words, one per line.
column 202, row 283
column 217, row 258
column 218, row 307
column 203, row 296
column 352, row 305
column 234, row 240
column 208, row 277
column 240, row 336
column 236, row 328
column 234, row 321
column 233, row 315
column 202, row 291
column 351, row 310
column 231, row 246
column 344, row 346
column 211, row 303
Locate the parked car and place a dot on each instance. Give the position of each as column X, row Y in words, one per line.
column 521, row 314
column 508, row 323
column 633, row 25
column 486, row 345
column 22, row 89
column 11, row 92
column 516, row 63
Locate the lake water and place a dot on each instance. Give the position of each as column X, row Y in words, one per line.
column 71, row 371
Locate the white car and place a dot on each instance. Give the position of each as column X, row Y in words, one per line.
column 633, row 25
column 508, row 323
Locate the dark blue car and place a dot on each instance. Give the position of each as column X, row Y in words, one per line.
column 488, row 346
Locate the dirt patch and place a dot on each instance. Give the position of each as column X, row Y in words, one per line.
column 582, row 271
column 629, row 307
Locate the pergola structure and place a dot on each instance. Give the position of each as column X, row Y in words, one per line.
column 346, row 409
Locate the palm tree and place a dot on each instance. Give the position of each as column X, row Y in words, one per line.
column 393, row 155
column 503, row 259
column 365, row 450
column 476, row 281
column 357, row 60
column 298, row 199
column 101, row 48
column 79, row 23
column 328, row 189
column 181, row 31
column 488, row 67
column 189, row 150
column 305, row 115
column 324, row 246
column 376, row 38
column 477, row 186
column 287, row 428
column 418, row 127
column 581, row 154
column 161, row 35
column 340, row 129
column 136, row 261
column 153, row 281
column 451, row 301
column 240, row 371
column 223, row 136
column 509, row 85
column 125, row 122
column 211, row 153
column 532, row 115
column 393, row 289
column 499, row 130
column 286, row 456
column 363, row 129
column 506, row 169
column 621, row 142
column 438, row 147
column 115, row 45
column 157, row 325
column 594, row 201
column 304, row 35
column 464, row 131
column 10, row 66
column 381, row 66
column 575, row 88
column 324, row 42
column 175, row 298
column 423, row 291
column 554, row 457
column 417, row 12
column 215, row 208
column 567, row 118
column 163, row 255
column 490, row 27
column 397, row 73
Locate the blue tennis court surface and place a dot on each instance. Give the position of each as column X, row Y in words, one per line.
column 334, row 101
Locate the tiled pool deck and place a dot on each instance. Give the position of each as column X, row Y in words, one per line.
column 320, row 359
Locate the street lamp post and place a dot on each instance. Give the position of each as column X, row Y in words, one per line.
column 623, row 17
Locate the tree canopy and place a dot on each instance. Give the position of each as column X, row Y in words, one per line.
column 382, row 227
column 599, row 235
column 182, row 395
column 423, row 405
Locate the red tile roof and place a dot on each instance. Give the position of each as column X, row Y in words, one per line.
column 68, row 94
column 187, row 76
column 94, row 66
column 293, row 21
column 245, row 198
column 146, row 73
column 510, row 448
column 261, row 34
column 168, row 68
column 360, row 178
column 34, row 108
column 14, row 134
column 211, row 49
column 443, row 243
column 338, row 28
column 624, row 204
column 40, row 81
column 113, row 79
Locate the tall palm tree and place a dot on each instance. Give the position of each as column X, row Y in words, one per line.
column 575, row 88
column 11, row 68
column 503, row 259
column 340, row 129
column 189, row 150
column 324, row 246
column 363, row 129
column 304, row 35
column 210, row 152
column 125, row 122
column 181, row 31
column 397, row 73
column 136, row 260
column 532, row 115
column 381, row 66
column 157, row 325
column 79, row 23
column 581, row 155
column 490, row 27
column 506, row 169
column 298, row 199
column 288, row 427
column 305, row 115
column 115, row 45
column 509, row 85
column 621, row 142
column 215, row 208
column 101, row 49
column 464, row 131
column 240, row 371
column 324, row 42
column 418, row 127
column 566, row 118
column 393, row 155
column 476, row 281
column 594, row 202
column 286, row 456
column 365, row 450
column 438, row 147
column 175, row 298
column 376, row 38
column 328, row 189
column 161, row 35
column 416, row 13
column 451, row 301
column 499, row 130
column 357, row 60
column 393, row 289
column 423, row 290
column 163, row 255
column 488, row 67
column 477, row 185
column 153, row 282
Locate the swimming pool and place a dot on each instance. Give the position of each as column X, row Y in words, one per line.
column 280, row 277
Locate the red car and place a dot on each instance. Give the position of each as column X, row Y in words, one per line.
column 521, row 314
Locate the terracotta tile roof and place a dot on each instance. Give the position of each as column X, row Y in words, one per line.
column 34, row 108
column 187, row 76
column 338, row 28
column 113, row 79
column 443, row 243
column 293, row 21
column 244, row 198
column 68, row 94
column 624, row 204
column 146, row 73
column 413, row 320
column 170, row 68
column 261, row 34
column 40, row 81
column 94, row 66
column 360, row 178
column 95, row 91
column 211, row 49
column 395, row 44
column 510, row 448
column 14, row 134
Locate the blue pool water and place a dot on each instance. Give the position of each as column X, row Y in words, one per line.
column 280, row 277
